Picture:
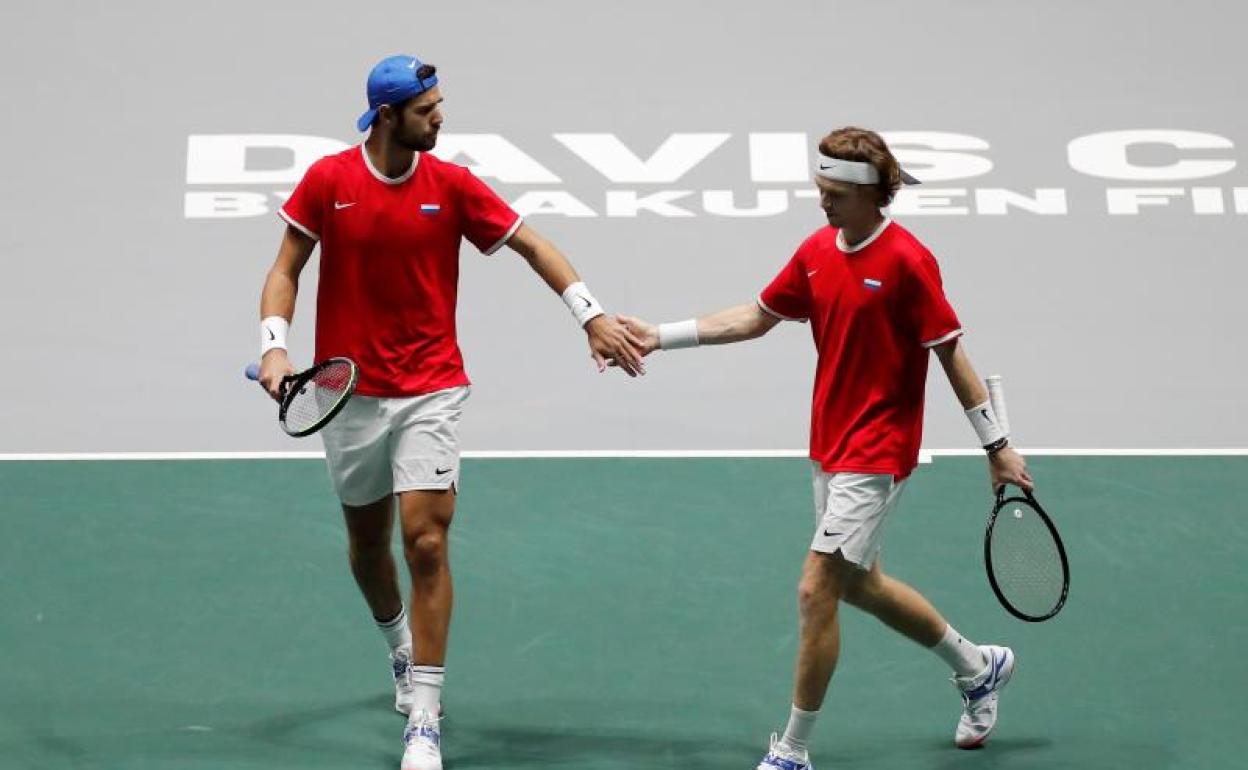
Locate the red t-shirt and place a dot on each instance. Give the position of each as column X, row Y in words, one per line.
column 390, row 264
column 875, row 310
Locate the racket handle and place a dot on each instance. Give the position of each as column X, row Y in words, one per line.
column 252, row 372
column 996, row 396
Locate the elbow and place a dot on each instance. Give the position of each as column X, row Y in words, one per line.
column 761, row 322
column 281, row 278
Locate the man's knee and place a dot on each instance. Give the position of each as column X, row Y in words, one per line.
column 822, row 581
column 425, row 548
column 426, row 520
column 809, row 594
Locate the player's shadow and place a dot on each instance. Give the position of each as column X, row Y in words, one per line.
column 527, row 746
column 999, row 751
column 1043, row 751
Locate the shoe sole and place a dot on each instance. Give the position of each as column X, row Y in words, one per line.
column 981, row 740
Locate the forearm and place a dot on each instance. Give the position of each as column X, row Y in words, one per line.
column 966, row 384
column 281, row 286
column 1006, row 466
column 734, row 324
column 973, row 396
column 277, row 298
column 547, row 261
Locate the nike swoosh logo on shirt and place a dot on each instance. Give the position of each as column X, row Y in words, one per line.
column 338, row 205
column 811, row 272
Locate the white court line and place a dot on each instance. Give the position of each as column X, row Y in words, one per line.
column 925, row 456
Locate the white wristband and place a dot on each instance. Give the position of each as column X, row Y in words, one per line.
column 679, row 334
column 582, row 304
column 985, row 424
column 273, row 331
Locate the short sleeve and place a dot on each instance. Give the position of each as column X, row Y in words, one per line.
column 934, row 320
column 787, row 297
column 488, row 220
column 305, row 209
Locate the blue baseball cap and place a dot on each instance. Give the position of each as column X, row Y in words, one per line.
column 393, row 80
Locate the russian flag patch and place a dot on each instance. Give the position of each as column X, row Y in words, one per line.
column 429, row 209
column 871, row 284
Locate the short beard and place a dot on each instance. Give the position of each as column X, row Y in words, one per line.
column 414, row 145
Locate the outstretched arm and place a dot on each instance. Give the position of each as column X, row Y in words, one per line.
column 1005, row 465
column 733, row 324
column 608, row 338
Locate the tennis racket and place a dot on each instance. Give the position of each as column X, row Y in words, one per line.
column 1023, row 554
column 311, row 398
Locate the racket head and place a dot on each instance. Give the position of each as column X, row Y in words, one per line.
column 313, row 397
column 1025, row 558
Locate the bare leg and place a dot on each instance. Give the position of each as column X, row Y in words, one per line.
column 369, row 530
column 426, row 518
column 819, row 593
column 896, row 604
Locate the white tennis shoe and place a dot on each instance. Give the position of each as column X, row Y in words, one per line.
column 979, row 696
column 422, row 743
column 781, row 757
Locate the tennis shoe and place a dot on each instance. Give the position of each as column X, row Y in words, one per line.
column 979, row 696
column 782, row 757
column 422, row 743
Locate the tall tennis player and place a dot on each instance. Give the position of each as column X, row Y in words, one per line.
column 876, row 306
column 390, row 218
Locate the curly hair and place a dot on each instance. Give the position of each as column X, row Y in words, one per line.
column 859, row 144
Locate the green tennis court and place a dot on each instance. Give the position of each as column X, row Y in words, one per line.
column 610, row 614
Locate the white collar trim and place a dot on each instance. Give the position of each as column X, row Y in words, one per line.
column 845, row 247
column 389, row 179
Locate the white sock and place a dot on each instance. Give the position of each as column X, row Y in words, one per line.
column 395, row 630
column 427, row 688
column 963, row 656
column 801, row 724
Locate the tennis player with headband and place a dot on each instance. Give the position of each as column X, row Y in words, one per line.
column 390, row 219
column 873, row 296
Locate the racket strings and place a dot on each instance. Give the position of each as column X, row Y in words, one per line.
column 317, row 396
column 1026, row 561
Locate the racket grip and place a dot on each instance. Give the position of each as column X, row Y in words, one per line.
column 252, row 372
column 996, row 396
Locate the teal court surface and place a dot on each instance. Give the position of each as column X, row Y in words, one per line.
column 611, row 614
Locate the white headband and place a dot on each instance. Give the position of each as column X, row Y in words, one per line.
column 852, row 171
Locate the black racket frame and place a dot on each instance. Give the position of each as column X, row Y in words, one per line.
column 292, row 384
column 1027, row 498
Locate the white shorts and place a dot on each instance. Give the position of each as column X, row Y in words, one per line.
column 381, row 446
column 850, row 511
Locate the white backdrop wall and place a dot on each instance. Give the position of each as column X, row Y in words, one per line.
column 1085, row 192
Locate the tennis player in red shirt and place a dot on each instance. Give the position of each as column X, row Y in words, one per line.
column 390, row 219
column 873, row 296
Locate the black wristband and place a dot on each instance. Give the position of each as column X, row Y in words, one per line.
column 997, row 445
